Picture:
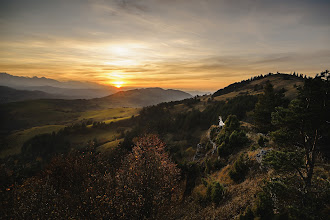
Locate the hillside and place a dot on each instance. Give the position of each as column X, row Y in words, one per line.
column 198, row 170
column 8, row 94
column 47, row 111
column 142, row 97
column 255, row 85
column 74, row 93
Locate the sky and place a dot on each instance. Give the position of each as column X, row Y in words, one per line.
column 182, row 44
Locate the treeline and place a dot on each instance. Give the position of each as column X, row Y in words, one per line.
column 163, row 120
column 236, row 86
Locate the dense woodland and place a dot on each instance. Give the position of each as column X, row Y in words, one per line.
column 269, row 161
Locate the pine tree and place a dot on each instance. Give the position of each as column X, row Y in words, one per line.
column 303, row 128
column 265, row 106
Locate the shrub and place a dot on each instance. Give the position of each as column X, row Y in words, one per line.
column 213, row 165
column 231, row 137
column 237, row 139
column 215, row 192
column 261, row 141
column 248, row 214
column 240, row 168
column 264, row 206
column 213, row 131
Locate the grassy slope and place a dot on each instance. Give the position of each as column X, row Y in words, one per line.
column 277, row 81
column 109, row 145
column 16, row 140
column 108, row 115
column 27, row 114
column 49, row 112
column 238, row 196
column 101, row 135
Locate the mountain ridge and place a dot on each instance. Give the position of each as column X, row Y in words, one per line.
column 67, row 89
column 8, row 94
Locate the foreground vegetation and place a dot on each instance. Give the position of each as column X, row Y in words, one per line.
column 269, row 161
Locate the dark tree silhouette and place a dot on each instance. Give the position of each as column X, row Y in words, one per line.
column 265, row 106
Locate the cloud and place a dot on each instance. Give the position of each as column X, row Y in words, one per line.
column 157, row 40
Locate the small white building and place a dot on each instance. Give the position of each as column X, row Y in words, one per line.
column 221, row 123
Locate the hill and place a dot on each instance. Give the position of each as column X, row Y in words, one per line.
column 8, row 94
column 27, row 114
column 254, row 86
column 73, row 93
column 141, row 97
column 67, row 90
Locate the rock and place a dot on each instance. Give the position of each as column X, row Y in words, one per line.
column 261, row 154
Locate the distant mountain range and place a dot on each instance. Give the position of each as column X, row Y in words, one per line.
column 20, row 88
column 141, row 97
column 8, row 94
column 60, row 90
column 196, row 92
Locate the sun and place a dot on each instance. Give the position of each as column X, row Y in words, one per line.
column 118, row 85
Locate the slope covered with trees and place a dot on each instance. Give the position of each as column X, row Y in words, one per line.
column 269, row 161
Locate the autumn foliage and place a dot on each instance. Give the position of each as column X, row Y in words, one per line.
column 84, row 185
column 147, row 180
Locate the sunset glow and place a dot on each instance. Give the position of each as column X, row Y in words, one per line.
column 164, row 109
column 190, row 45
column 118, row 85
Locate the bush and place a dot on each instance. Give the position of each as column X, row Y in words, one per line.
column 213, row 131
column 261, row 141
column 237, row 139
column 215, row 192
column 264, row 206
column 213, row 165
column 240, row 168
column 248, row 214
column 231, row 137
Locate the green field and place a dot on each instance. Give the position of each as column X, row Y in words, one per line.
column 16, row 140
column 101, row 135
column 109, row 145
column 109, row 115
column 43, row 117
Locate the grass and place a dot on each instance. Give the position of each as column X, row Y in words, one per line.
column 117, row 119
column 276, row 80
column 99, row 134
column 109, row 146
column 24, row 115
column 110, row 114
column 35, row 113
column 44, row 117
column 16, row 140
